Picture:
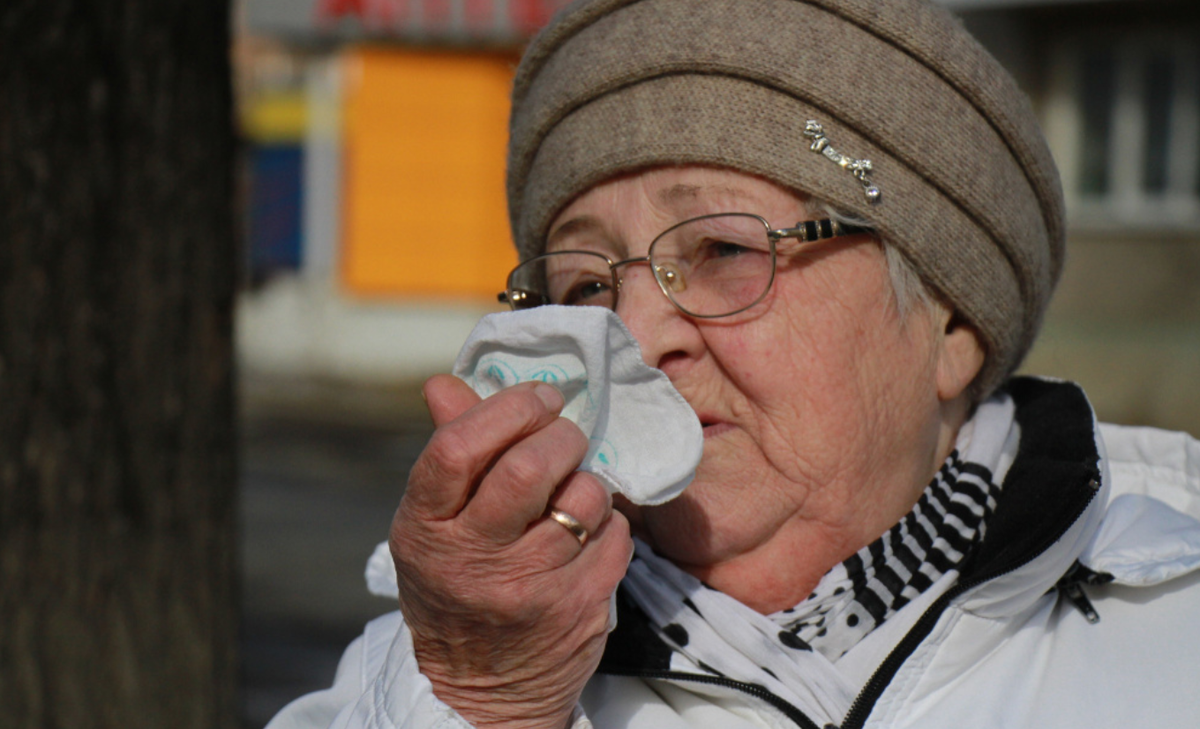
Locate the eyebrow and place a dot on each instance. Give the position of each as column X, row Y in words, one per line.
column 582, row 224
column 681, row 192
column 670, row 196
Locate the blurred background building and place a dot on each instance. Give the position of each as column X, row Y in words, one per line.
column 374, row 135
column 1117, row 87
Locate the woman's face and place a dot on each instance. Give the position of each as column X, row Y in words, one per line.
column 819, row 404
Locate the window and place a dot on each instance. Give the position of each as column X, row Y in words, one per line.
column 1123, row 119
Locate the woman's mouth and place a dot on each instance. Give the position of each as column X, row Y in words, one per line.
column 714, row 428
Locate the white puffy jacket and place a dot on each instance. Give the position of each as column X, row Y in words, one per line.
column 1080, row 609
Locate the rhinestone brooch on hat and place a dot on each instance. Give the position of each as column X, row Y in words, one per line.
column 860, row 168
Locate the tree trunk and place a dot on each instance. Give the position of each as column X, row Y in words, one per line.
column 117, row 273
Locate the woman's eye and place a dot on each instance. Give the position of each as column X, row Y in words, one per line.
column 725, row 249
column 722, row 249
column 585, row 293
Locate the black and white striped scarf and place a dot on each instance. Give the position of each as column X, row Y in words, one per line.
column 792, row 653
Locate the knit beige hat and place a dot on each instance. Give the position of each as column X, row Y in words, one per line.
column 966, row 186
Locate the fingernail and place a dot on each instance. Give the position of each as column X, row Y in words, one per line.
column 549, row 395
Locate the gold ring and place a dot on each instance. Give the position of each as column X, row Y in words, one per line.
column 572, row 525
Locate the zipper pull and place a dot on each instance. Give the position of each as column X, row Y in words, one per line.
column 1070, row 586
column 1074, row 592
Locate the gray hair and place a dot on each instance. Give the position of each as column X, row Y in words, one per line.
column 907, row 287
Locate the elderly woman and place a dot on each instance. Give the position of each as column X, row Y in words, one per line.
column 834, row 225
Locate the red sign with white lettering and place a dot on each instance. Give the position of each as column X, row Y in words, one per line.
column 455, row 19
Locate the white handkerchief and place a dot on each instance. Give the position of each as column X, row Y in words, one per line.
column 645, row 439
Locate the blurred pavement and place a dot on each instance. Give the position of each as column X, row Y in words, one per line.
column 323, row 468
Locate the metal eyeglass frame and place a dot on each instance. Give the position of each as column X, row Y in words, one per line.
column 805, row 231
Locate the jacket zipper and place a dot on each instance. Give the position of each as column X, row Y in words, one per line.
column 856, row 717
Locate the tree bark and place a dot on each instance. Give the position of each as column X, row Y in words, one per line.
column 118, row 260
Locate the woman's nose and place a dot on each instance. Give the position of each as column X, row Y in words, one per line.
column 662, row 331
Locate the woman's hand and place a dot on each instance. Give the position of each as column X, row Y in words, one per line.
column 508, row 612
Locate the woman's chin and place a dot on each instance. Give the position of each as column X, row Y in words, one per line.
column 688, row 530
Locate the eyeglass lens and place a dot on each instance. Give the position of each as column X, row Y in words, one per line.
column 716, row 265
column 568, row 278
column 709, row 266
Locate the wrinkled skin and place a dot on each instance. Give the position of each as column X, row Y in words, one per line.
column 508, row 613
column 825, row 413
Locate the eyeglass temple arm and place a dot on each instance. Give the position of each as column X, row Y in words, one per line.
column 807, row 231
column 516, row 298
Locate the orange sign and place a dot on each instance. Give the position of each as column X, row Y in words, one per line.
column 424, row 209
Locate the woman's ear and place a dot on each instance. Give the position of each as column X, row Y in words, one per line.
column 960, row 359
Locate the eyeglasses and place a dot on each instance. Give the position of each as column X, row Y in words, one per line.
column 708, row 267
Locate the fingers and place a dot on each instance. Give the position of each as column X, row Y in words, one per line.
column 518, row 487
column 447, row 397
column 582, row 497
column 601, row 564
column 585, row 499
column 477, row 434
column 496, row 467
